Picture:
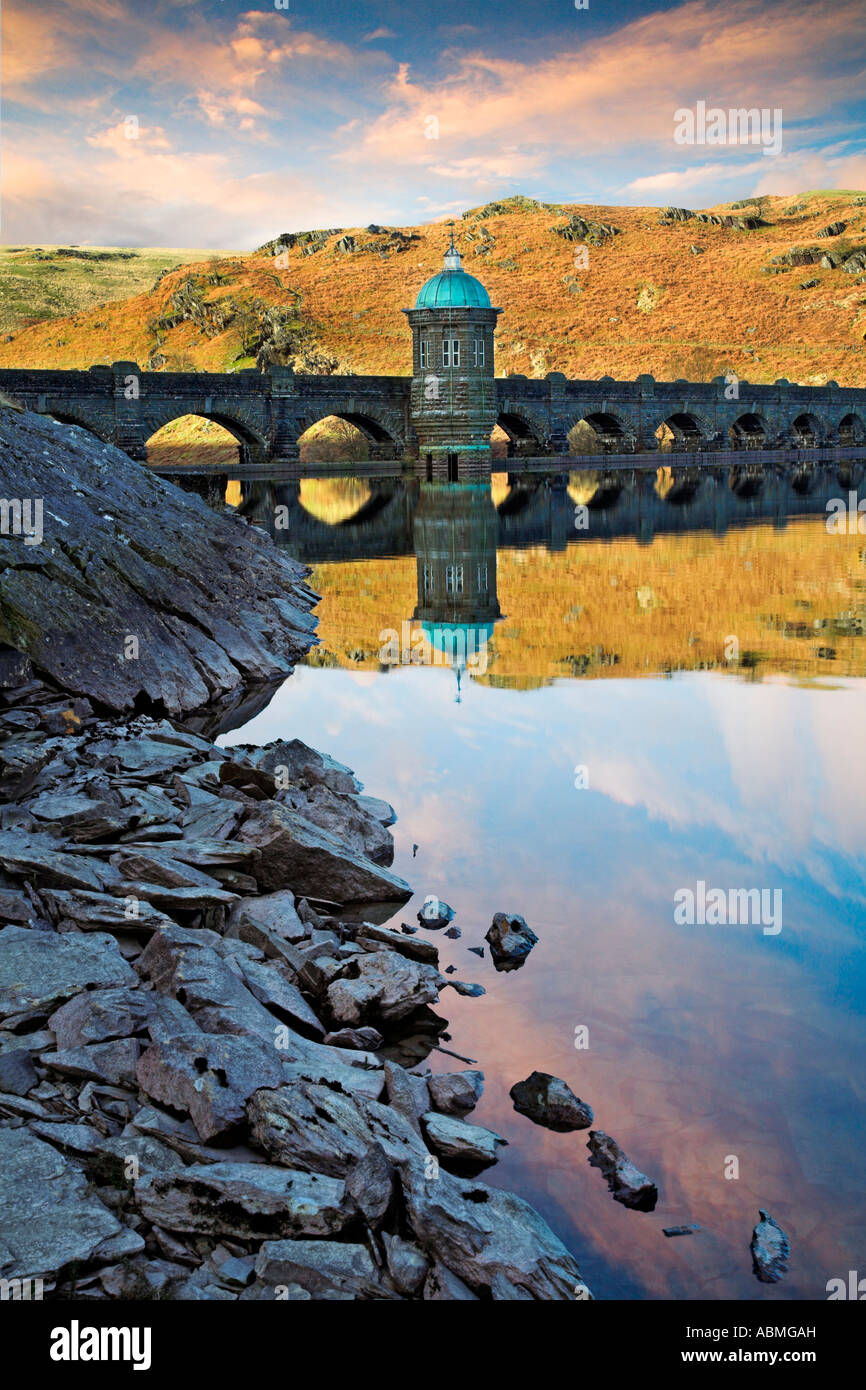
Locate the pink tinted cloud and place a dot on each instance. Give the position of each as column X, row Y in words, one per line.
column 609, row 93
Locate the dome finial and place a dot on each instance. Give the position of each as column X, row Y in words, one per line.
column 452, row 255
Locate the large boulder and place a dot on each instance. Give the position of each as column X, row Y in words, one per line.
column 483, row 1234
column 296, row 854
column 211, row 1078
column 200, row 591
column 322, row 1130
column 382, row 987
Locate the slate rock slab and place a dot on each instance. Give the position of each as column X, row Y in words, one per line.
column 483, row 1234
column 48, row 1216
column 209, row 1077
column 125, row 552
column 39, row 970
column 454, row 1139
column 319, row 1129
column 325, row 1269
column 302, row 856
column 250, row 1201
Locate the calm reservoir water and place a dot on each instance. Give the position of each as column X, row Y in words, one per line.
column 664, row 684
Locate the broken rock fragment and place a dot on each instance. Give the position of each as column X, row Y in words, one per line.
column 250, row 1201
column 627, row 1184
column 770, row 1250
column 510, row 940
column 548, row 1101
column 381, row 987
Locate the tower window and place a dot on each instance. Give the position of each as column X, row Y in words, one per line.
column 446, row 352
column 482, row 578
column 455, row 352
column 454, row 579
column 429, row 573
column 479, row 352
column 425, row 352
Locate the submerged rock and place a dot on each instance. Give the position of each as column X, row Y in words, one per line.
column 434, row 913
column 770, row 1250
column 626, row 1182
column 510, row 940
column 548, row 1101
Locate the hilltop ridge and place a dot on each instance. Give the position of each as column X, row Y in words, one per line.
column 769, row 288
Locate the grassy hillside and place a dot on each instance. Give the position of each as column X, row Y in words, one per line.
column 59, row 282
column 675, row 298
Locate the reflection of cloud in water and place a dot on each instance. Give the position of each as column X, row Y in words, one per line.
column 788, row 781
column 703, row 1041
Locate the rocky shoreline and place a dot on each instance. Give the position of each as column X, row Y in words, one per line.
column 211, row 1050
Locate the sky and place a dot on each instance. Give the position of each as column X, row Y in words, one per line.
column 219, row 123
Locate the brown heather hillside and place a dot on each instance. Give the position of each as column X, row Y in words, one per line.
column 646, row 302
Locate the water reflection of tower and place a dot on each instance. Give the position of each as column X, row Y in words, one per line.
column 456, row 530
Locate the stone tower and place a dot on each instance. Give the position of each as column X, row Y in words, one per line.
column 453, row 388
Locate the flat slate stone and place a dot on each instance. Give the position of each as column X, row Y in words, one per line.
column 39, row 969
column 299, row 855
column 209, row 1077
column 251, row 1201
column 48, row 1215
column 38, row 856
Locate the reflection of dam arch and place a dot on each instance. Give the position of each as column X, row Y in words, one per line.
column 334, row 501
column 374, row 521
column 594, row 488
column 677, row 485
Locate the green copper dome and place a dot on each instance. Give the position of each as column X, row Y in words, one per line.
column 452, row 287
